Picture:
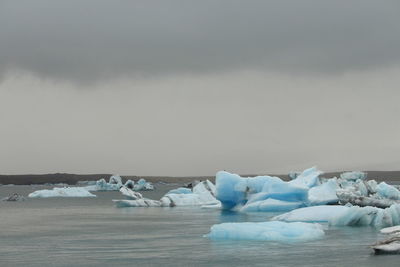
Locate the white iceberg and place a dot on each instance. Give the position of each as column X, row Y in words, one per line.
column 391, row 230
column 388, row 191
column 267, row 231
column 115, row 179
column 353, row 175
column 323, row 213
column 130, row 194
column 203, row 194
column 142, row 185
column 324, row 193
column 308, row 178
column 62, row 192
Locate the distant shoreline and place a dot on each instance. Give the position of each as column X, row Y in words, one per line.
column 72, row 179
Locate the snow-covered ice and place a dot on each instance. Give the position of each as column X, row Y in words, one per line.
column 267, row 231
column 62, row 192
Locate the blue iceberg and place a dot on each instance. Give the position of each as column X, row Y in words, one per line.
column 271, row 205
column 388, row 191
column 234, row 191
column 353, row 175
column 267, row 231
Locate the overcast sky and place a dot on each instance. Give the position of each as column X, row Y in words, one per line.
column 193, row 87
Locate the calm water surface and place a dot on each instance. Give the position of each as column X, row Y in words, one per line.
column 92, row 232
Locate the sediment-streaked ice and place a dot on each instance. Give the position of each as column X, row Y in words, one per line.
column 62, row 192
column 267, row 231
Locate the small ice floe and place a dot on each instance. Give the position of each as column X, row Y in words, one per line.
column 391, row 245
column 14, row 197
column 267, row 231
column 62, row 192
column 202, row 194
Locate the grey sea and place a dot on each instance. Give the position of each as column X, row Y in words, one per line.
column 93, row 232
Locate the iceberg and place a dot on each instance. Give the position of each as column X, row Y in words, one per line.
column 390, row 245
column 324, row 213
column 62, row 192
column 102, row 185
column 130, row 194
column 203, row 194
column 267, row 231
column 234, row 191
column 115, row 179
column 388, row 191
column 368, row 216
column 129, row 184
column 308, row 178
column 353, row 175
column 324, row 193
column 271, row 205
column 391, row 230
column 142, row 185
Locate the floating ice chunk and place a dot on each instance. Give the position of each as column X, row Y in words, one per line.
column 115, row 179
column 388, row 191
column 227, row 192
column 267, row 231
column 391, row 230
column 281, row 190
column 62, row 192
column 324, row 194
column 202, row 195
column 142, row 185
column 271, row 205
column 348, row 196
column 102, row 185
column 308, row 178
column 354, row 175
column 129, row 184
column 130, row 194
column 233, row 190
column 390, row 246
column 143, row 202
column 312, row 214
column 14, row 197
column 368, row 216
column 180, row 190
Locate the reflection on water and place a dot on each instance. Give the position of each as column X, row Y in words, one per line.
column 92, row 232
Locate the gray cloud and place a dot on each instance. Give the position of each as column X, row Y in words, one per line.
column 90, row 40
